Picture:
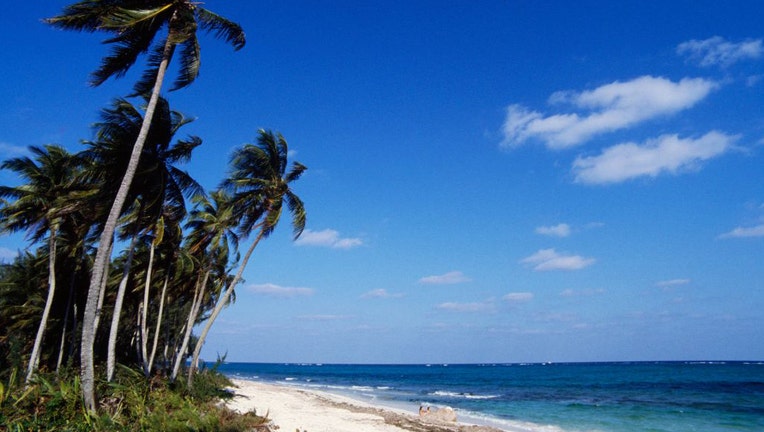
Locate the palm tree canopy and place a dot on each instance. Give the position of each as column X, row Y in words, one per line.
column 50, row 180
column 137, row 24
column 211, row 225
column 259, row 185
column 159, row 185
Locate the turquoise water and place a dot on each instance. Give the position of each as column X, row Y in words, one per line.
column 570, row 397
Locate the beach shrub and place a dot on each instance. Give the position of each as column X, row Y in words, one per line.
column 129, row 403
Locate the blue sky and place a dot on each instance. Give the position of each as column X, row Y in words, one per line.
column 493, row 181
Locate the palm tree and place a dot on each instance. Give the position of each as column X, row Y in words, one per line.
column 38, row 207
column 158, row 193
column 135, row 24
column 22, row 300
column 173, row 264
column 259, row 185
column 211, row 239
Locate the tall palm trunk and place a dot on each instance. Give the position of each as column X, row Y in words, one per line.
column 159, row 323
column 69, row 302
column 111, row 353
column 87, row 366
column 101, row 295
column 34, row 359
column 189, row 327
column 222, row 301
column 144, row 316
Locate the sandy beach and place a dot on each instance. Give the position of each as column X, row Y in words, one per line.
column 292, row 409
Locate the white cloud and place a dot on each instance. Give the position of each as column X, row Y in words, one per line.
column 672, row 283
column 324, row 317
column 581, row 293
column 7, row 254
column 274, row 290
column 8, row 151
column 380, row 293
column 665, row 154
column 327, row 238
column 559, row 230
column 518, row 297
column 466, row 307
column 745, row 232
column 608, row 108
column 717, row 51
column 549, row 259
column 753, row 80
column 450, row 278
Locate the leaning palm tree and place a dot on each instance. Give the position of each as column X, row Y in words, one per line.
column 259, row 185
column 212, row 240
column 38, row 207
column 135, row 24
column 158, row 191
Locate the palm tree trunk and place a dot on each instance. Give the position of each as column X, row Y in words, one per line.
column 87, row 366
column 144, row 316
column 192, row 314
column 34, row 359
column 69, row 301
column 101, row 296
column 111, row 354
column 222, row 301
column 159, row 323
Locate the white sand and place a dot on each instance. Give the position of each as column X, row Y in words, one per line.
column 293, row 409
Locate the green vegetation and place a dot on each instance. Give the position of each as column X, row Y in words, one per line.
column 131, row 403
column 127, row 252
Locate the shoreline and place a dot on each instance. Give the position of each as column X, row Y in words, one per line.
column 307, row 410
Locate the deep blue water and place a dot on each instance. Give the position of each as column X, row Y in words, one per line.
column 571, row 397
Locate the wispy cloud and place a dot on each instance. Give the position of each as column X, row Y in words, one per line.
column 450, row 278
column 581, row 293
column 608, row 108
column 7, row 254
column 11, row 151
column 518, row 297
column 381, row 293
column 324, row 317
column 327, row 238
column 665, row 154
column 466, row 307
column 550, row 259
column 274, row 290
column 672, row 283
column 559, row 230
column 745, row 232
column 717, row 51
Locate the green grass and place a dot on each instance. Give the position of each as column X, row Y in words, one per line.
column 129, row 403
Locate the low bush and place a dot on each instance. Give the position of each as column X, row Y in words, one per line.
column 129, row 403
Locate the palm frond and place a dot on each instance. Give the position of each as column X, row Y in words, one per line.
column 222, row 28
column 126, row 47
column 190, row 61
column 296, row 172
column 82, row 16
column 122, row 18
column 299, row 217
column 146, row 83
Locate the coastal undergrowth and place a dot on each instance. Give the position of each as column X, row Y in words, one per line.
column 129, row 403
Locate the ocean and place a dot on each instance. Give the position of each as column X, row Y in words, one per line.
column 560, row 397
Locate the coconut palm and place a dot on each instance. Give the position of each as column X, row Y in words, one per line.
column 259, row 184
column 157, row 193
column 171, row 261
column 38, row 207
column 22, row 300
column 135, row 25
column 212, row 239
